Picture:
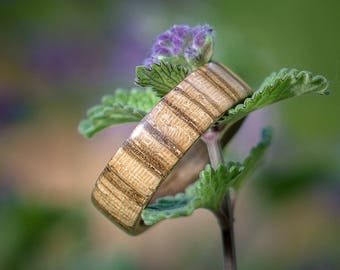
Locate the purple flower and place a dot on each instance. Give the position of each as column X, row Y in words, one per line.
column 162, row 50
column 190, row 53
column 180, row 30
column 190, row 46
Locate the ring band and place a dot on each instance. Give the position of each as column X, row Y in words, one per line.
column 159, row 141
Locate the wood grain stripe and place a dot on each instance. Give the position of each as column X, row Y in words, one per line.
column 119, row 183
column 112, row 206
column 205, row 74
column 236, row 78
column 182, row 115
column 208, row 98
column 228, row 86
column 156, row 161
column 198, row 104
column 103, row 203
column 145, row 157
column 163, row 139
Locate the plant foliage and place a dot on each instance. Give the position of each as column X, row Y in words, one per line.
column 209, row 190
column 280, row 85
column 160, row 77
column 122, row 107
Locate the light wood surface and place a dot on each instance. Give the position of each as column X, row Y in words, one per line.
column 135, row 172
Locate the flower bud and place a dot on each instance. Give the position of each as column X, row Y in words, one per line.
column 183, row 44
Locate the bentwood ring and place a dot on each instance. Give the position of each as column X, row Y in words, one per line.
column 141, row 164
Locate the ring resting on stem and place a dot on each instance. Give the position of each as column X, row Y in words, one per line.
column 158, row 145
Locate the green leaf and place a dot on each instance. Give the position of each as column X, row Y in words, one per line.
column 139, row 99
column 209, row 190
column 212, row 185
column 280, row 85
column 253, row 159
column 160, row 77
column 167, row 207
column 122, row 107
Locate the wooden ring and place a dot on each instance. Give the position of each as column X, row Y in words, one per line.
column 135, row 172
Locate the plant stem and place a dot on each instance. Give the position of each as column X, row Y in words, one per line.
column 225, row 213
column 226, row 221
column 211, row 139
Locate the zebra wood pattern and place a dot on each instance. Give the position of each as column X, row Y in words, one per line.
column 135, row 172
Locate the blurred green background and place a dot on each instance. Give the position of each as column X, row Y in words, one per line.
column 57, row 58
